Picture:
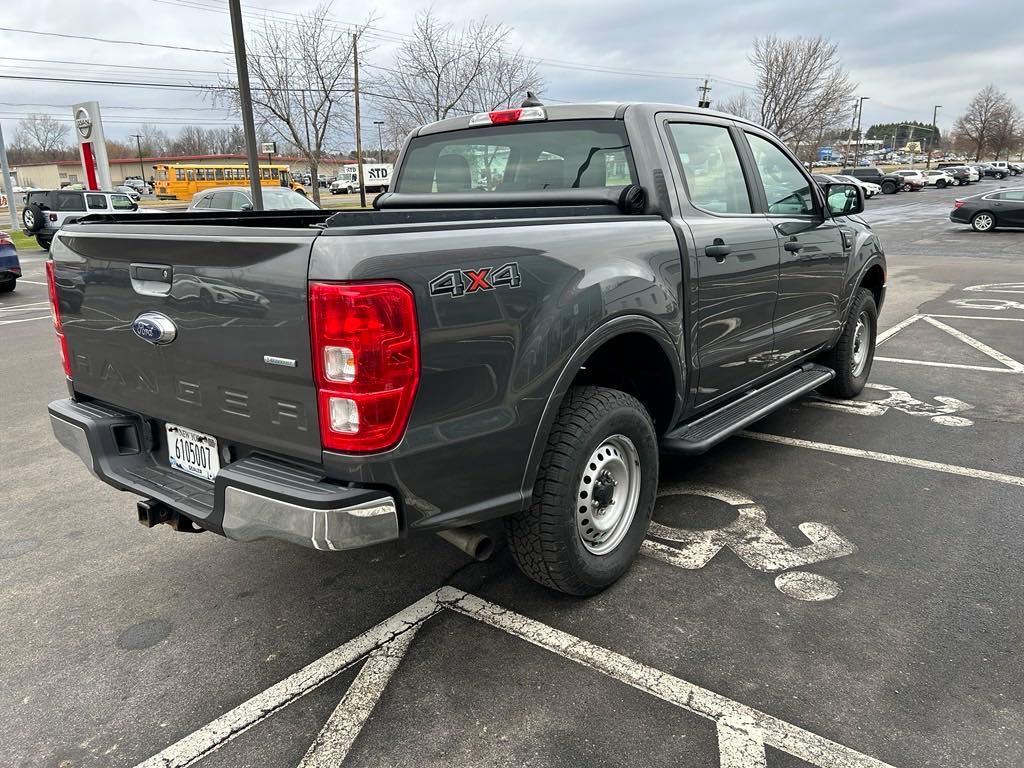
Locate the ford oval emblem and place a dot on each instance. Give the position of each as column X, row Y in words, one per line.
column 154, row 328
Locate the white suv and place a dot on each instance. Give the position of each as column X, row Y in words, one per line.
column 46, row 211
column 1005, row 166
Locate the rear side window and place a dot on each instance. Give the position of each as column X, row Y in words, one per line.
column 68, row 201
column 204, row 202
column 96, row 202
column 711, row 167
column 571, row 154
column 786, row 188
column 222, row 200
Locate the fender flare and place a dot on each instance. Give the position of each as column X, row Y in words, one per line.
column 616, row 326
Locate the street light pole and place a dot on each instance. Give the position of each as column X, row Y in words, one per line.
column 935, row 130
column 245, row 102
column 860, row 113
column 380, row 139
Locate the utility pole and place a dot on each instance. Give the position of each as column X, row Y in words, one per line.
column 849, row 140
column 8, row 186
column 359, row 133
column 860, row 113
column 245, row 102
column 380, row 138
column 142, row 169
column 935, row 130
column 705, row 102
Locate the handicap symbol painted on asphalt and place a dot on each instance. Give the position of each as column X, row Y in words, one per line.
column 900, row 400
column 751, row 539
column 995, row 305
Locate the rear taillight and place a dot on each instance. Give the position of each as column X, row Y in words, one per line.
column 957, row 203
column 58, row 325
column 366, row 362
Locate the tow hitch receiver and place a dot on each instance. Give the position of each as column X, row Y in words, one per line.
column 152, row 513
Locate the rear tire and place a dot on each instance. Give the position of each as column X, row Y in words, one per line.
column 44, row 242
column 852, row 356
column 983, row 221
column 941, row 183
column 594, row 495
column 8, row 286
column 907, row 187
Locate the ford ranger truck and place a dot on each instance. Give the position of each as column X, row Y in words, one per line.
column 546, row 300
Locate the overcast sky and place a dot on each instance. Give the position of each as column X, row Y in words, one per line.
column 907, row 56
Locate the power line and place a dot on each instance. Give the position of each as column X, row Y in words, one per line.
column 112, row 41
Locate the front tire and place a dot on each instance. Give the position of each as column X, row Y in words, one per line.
column 594, row 495
column 8, row 286
column 44, row 242
column 983, row 221
column 852, row 356
column 941, row 183
column 889, row 188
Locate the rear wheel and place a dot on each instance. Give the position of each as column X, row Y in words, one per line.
column 594, row 495
column 851, row 358
column 983, row 221
column 44, row 242
column 1000, row 175
column 941, row 183
column 8, row 286
column 907, row 187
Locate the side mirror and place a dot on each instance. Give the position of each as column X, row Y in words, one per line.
column 135, row 206
column 844, row 199
column 246, row 207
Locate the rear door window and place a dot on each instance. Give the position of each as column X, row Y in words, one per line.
column 711, row 167
column 204, row 201
column 222, row 200
column 96, row 202
column 570, row 154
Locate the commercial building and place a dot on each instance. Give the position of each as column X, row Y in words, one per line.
column 59, row 173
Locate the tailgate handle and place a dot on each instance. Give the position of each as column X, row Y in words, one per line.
column 160, row 273
column 151, row 279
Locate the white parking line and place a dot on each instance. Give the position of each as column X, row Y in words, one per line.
column 888, row 333
column 888, row 458
column 981, row 346
column 26, row 307
column 981, row 317
column 744, row 733
column 934, row 364
column 24, row 320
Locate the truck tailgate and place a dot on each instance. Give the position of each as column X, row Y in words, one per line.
column 238, row 367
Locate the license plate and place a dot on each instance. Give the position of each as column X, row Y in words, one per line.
column 193, row 452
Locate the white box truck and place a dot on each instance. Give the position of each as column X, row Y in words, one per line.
column 376, row 178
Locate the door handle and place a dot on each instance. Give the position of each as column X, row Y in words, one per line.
column 792, row 245
column 718, row 250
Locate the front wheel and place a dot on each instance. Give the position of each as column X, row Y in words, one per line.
column 851, row 358
column 1000, row 176
column 594, row 495
column 44, row 242
column 8, row 286
column 941, row 183
column 889, row 188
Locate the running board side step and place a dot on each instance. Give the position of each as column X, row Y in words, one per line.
column 700, row 435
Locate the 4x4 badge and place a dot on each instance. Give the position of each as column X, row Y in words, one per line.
column 155, row 328
column 459, row 282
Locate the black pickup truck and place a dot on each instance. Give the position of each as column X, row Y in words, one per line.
column 548, row 298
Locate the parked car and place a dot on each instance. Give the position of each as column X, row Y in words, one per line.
column 962, row 175
column 987, row 170
column 473, row 348
column 940, row 179
column 10, row 267
column 344, row 185
column 240, row 199
column 868, row 188
column 988, row 210
column 139, row 185
column 887, row 182
column 130, row 191
column 911, row 180
column 46, row 211
column 1006, row 166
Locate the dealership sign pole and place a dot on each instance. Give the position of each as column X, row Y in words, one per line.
column 8, row 186
column 92, row 146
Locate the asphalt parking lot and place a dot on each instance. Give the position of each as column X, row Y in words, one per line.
column 840, row 586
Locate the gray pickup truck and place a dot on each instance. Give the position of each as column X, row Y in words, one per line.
column 547, row 300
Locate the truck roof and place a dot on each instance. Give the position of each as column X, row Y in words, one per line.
column 594, row 111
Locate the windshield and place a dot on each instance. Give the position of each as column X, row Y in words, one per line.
column 571, row 154
column 284, row 200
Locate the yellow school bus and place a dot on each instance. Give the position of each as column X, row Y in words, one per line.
column 180, row 181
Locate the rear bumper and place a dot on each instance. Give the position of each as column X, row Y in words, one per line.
column 252, row 498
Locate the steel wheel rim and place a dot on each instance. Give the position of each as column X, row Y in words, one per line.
column 29, row 219
column 861, row 343
column 983, row 221
column 608, row 495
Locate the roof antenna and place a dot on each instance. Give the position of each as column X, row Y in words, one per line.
column 531, row 100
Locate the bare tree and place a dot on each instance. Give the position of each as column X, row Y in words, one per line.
column 42, row 133
column 740, row 104
column 154, row 140
column 979, row 123
column 301, row 79
column 1008, row 131
column 802, row 87
column 444, row 71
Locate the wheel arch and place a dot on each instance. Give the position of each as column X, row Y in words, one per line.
column 662, row 388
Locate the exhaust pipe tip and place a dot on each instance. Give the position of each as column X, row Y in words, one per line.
column 475, row 543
